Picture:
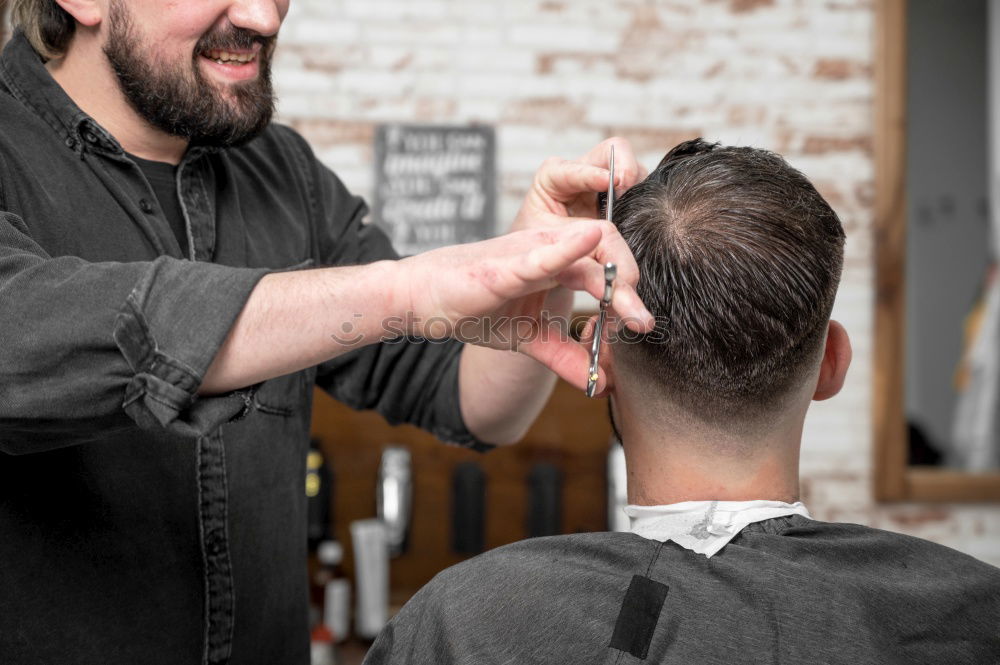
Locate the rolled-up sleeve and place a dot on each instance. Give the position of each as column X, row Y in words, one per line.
column 407, row 381
column 413, row 382
column 86, row 348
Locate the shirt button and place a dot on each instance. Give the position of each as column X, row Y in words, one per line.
column 145, row 206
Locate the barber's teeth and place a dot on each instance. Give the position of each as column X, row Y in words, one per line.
column 223, row 57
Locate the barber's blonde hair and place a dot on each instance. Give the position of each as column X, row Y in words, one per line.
column 46, row 25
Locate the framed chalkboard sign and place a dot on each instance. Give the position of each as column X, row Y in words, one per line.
column 434, row 185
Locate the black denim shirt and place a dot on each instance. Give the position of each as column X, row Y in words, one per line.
column 140, row 523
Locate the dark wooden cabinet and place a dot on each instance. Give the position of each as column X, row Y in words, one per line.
column 572, row 433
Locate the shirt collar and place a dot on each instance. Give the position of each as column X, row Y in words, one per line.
column 705, row 527
column 23, row 72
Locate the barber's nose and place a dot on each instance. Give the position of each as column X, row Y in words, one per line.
column 261, row 16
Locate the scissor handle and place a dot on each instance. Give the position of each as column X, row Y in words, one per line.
column 610, row 273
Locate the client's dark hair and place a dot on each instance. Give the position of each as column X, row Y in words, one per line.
column 739, row 259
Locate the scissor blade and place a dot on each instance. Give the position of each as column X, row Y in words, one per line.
column 595, row 353
column 609, row 208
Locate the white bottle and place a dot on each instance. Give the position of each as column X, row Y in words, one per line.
column 336, row 591
column 371, row 566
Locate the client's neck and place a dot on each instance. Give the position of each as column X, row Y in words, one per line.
column 668, row 463
column 657, row 478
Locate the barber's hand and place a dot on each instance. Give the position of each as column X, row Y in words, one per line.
column 492, row 293
column 569, row 188
column 564, row 191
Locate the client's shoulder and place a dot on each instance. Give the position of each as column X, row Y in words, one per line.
column 539, row 600
column 875, row 551
column 580, row 571
column 526, row 562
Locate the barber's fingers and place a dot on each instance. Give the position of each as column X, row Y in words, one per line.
column 628, row 171
column 588, row 275
column 587, row 331
column 626, row 301
column 574, row 256
column 612, row 247
column 587, row 338
column 559, row 249
column 569, row 359
column 564, row 180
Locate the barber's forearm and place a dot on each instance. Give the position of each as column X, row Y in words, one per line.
column 501, row 393
column 295, row 320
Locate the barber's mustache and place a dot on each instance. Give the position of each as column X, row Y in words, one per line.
column 234, row 38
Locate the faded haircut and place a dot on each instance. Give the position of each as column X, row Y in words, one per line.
column 47, row 26
column 739, row 259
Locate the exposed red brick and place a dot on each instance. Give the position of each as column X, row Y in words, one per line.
column 546, row 111
column 330, row 62
column 838, row 69
column 403, row 62
column 864, row 193
column 741, row 6
column 832, row 193
column 645, row 139
column 650, row 45
column 714, row 70
column 545, row 62
column 744, row 114
column 791, row 64
column 324, row 131
column 850, row 5
column 784, row 141
column 820, row 145
column 680, row 8
column 920, row 517
column 434, row 109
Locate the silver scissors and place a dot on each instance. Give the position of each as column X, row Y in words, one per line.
column 610, row 272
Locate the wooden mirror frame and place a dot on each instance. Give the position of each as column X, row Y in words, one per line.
column 894, row 479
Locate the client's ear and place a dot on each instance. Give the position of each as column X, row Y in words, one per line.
column 836, row 360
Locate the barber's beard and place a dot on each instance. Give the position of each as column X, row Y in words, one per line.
column 178, row 99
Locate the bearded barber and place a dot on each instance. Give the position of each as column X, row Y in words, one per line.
column 158, row 353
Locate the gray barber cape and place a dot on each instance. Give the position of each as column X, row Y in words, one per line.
column 785, row 590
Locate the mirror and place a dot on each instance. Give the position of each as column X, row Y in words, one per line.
column 937, row 370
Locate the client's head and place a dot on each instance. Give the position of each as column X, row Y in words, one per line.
column 740, row 258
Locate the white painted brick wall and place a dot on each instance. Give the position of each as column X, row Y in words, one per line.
column 557, row 76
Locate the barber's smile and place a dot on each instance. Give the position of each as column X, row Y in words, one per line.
column 233, row 64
